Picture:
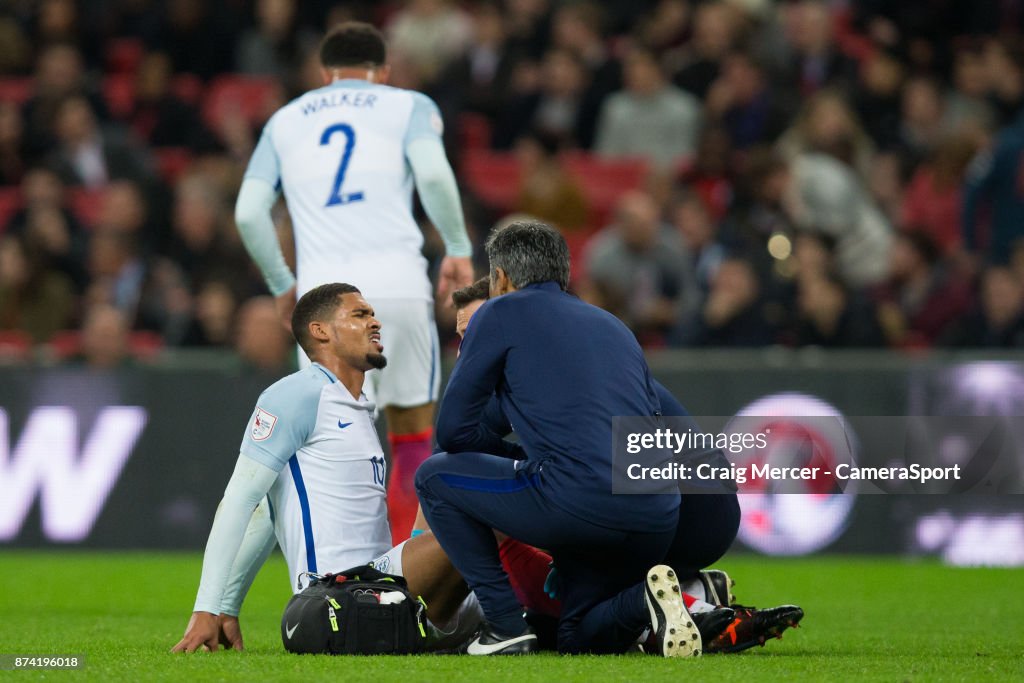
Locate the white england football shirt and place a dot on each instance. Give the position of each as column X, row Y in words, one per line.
column 338, row 154
column 328, row 503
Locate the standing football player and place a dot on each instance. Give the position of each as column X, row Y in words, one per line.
column 346, row 157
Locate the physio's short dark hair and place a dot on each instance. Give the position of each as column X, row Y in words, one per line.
column 319, row 303
column 529, row 252
column 353, row 43
column 478, row 291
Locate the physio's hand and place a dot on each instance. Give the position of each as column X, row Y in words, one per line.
column 200, row 634
column 456, row 272
column 285, row 304
column 230, row 633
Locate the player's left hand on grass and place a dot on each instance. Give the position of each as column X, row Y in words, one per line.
column 456, row 272
column 200, row 634
column 230, row 632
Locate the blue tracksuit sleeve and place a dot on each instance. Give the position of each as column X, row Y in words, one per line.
column 475, row 377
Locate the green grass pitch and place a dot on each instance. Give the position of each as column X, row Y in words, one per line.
column 867, row 619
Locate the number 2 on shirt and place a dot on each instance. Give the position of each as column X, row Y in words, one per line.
column 337, row 198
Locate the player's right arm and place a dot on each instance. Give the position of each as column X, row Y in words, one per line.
column 248, row 484
column 439, row 193
column 280, row 425
column 256, row 198
column 471, row 386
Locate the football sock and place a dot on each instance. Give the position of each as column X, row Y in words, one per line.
column 408, row 451
column 695, row 588
column 527, row 568
column 695, row 605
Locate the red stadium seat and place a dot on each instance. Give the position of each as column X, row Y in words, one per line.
column 172, row 162
column 16, row 90
column 474, row 131
column 10, row 202
column 86, row 204
column 123, row 55
column 64, row 345
column 15, row 345
column 145, row 345
column 252, row 97
column 604, row 181
column 119, row 94
column 492, row 176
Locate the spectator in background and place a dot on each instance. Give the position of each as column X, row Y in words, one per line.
column 159, row 116
column 277, row 43
column 1004, row 62
column 816, row 60
column 579, row 27
column 920, row 300
column 716, row 28
column 105, row 339
column 124, row 208
column 60, row 21
column 710, row 175
column 693, row 220
column 828, row 196
column 638, row 269
column 198, row 36
column 731, row 315
column 556, row 109
column 827, row 124
column 48, row 227
column 33, row 299
column 993, row 177
column 933, row 198
column 831, row 316
column 924, row 122
column 260, row 340
column 547, row 192
column 86, row 155
column 13, row 146
column 429, row 34
column 742, row 100
column 527, row 23
column 15, row 47
column 968, row 111
column 199, row 243
column 759, row 210
column 477, row 80
column 59, row 74
column 885, row 185
column 877, row 96
column 213, row 316
column 999, row 321
column 650, row 118
column 117, row 271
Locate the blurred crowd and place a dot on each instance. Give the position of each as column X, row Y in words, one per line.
column 728, row 173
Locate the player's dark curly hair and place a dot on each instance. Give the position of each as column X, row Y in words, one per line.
column 319, row 303
column 478, row 291
column 353, row 43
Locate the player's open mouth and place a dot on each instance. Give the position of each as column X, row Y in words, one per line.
column 375, row 338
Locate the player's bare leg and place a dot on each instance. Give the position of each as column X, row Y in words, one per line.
column 411, row 434
column 430, row 574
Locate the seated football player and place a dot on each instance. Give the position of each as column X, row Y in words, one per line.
column 311, row 476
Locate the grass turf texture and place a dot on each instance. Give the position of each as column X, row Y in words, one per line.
column 867, row 619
